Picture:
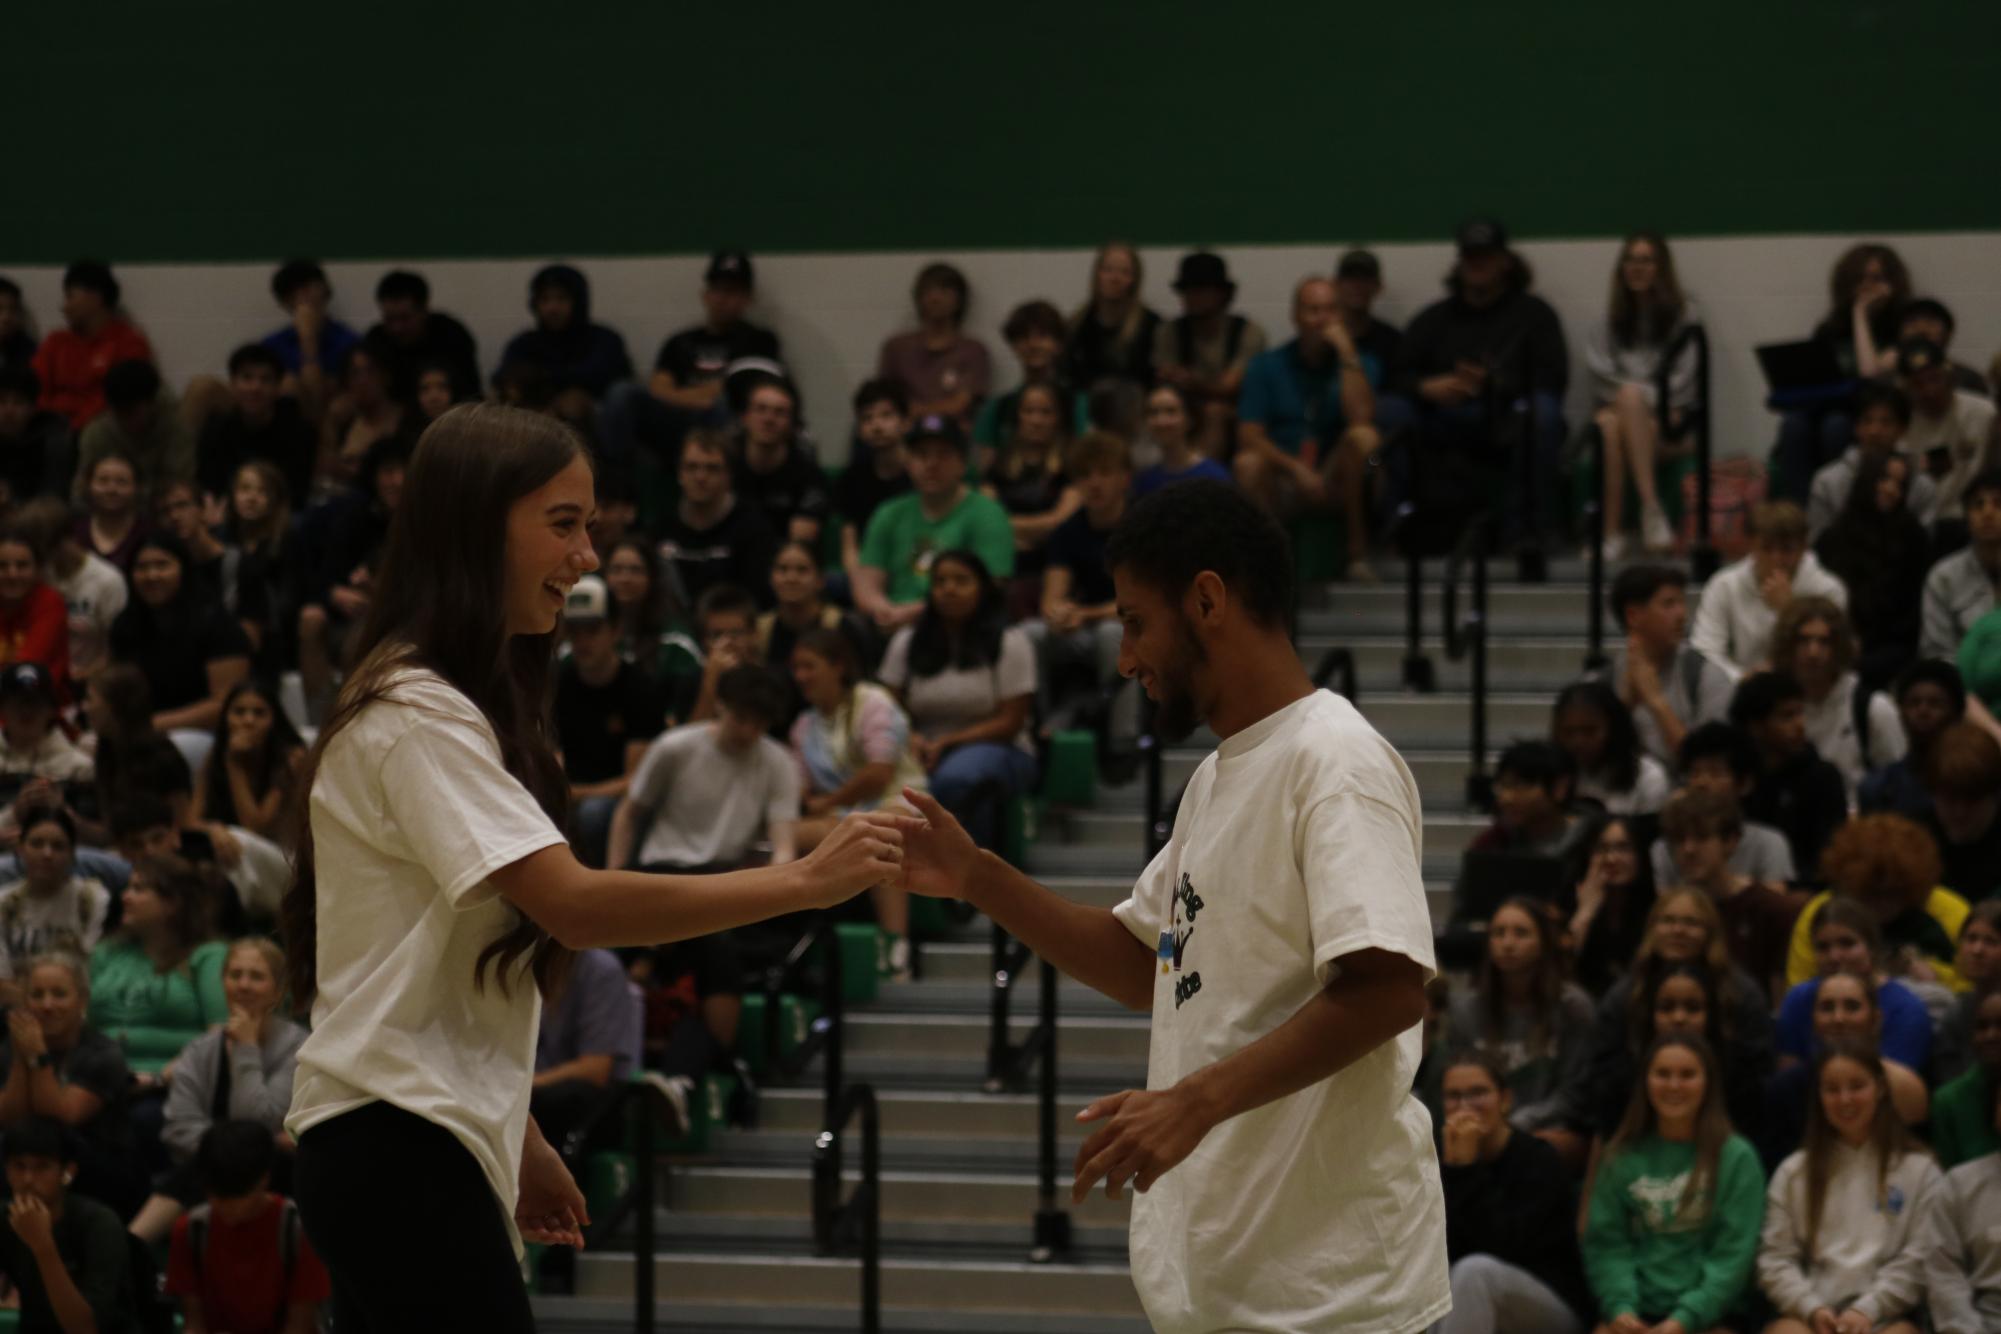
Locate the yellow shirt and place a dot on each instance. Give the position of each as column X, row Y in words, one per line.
column 1944, row 907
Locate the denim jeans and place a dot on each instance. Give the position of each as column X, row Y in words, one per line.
column 1095, row 650
column 976, row 781
column 1807, row 442
column 591, row 818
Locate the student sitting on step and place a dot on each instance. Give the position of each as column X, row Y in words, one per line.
column 242, row 1262
column 1533, row 781
column 1796, row 790
column 1717, row 757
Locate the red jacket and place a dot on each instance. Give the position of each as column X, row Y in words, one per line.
column 71, row 367
column 38, row 631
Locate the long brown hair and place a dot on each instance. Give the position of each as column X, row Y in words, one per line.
column 1635, row 320
column 189, row 895
column 1845, row 280
column 440, row 605
column 1545, row 982
column 1888, row 1139
column 1712, row 1123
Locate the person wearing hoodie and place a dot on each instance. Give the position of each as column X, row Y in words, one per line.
column 582, row 360
column 1479, row 356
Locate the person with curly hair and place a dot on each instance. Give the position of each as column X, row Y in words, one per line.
column 1891, row 866
column 1853, row 727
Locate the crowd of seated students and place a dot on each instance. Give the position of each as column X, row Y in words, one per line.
column 1733, row 967
column 1775, row 905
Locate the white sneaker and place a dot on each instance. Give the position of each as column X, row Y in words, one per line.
column 1361, row 572
column 1655, row 530
column 1614, row 548
column 899, row 960
column 676, row 1089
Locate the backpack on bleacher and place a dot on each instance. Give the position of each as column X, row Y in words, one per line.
column 1736, row 487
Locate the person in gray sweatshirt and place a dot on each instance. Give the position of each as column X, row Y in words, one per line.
column 1962, row 1245
column 1840, row 1239
column 240, row 1071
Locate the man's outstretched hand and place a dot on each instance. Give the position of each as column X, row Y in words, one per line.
column 1146, row 1133
column 939, row 858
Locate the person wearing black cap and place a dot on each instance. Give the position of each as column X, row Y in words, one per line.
column 688, row 373
column 1470, row 363
column 411, row 336
column 1920, row 317
column 72, row 361
column 1358, row 281
column 1206, row 349
column 1950, row 428
column 940, row 513
column 582, row 359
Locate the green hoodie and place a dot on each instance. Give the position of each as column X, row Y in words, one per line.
column 1642, row 1260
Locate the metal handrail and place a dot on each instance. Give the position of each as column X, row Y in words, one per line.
column 1418, row 672
column 1594, row 532
column 1470, row 636
column 1702, row 556
column 840, row 1225
column 640, row 1200
column 1008, row 1064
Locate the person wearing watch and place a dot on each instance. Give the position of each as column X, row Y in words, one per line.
column 60, row 1069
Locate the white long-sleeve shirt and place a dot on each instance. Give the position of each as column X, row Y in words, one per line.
column 1830, row 725
column 1867, row 1251
column 1733, row 626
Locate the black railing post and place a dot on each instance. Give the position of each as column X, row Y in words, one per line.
column 1418, row 672
column 1052, row 1221
column 1479, row 787
column 832, row 1023
column 837, row 1225
column 1531, row 563
column 643, row 1191
column 1594, row 652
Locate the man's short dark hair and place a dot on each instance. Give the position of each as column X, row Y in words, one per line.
column 131, row 383
column 253, row 355
column 403, row 285
column 1636, row 585
column 1927, row 308
column 1760, row 694
column 1933, row 671
column 1034, row 317
column 137, row 812
column 21, row 382
column 42, row 1137
column 752, row 693
column 1987, row 480
column 1538, row 763
column 1720, row 741
column 93, row 275
column 1883, row 394
column 294, row 274
column 235, row 1158
column 723, row 599
column 1176, row 533
column 882, row 389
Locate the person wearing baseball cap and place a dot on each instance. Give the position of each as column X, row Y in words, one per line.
column 1358, row 281
column 1949, row 428
column 30, row 741
column 1205, row 350
column 606, row 710
column 939, row 513
column 688, row 373
column 1470, row 363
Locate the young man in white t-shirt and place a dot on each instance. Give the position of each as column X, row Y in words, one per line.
column 1281, row 940
column 705, row 791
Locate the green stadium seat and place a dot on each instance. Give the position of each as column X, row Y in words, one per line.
column 1072, row 777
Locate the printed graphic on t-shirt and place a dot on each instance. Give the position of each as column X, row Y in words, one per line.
column 1174, row 942
column 1660, row 1203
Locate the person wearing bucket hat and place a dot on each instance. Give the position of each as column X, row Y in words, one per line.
column 1475, row 364
column 1205, row 350
column 1950, row 428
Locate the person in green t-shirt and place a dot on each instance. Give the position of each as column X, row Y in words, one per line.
column 1962, row 1111
column 1678, row 1203
column 939, row 513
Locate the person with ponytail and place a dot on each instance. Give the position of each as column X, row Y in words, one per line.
column 435, row 902
column 1839, row 1250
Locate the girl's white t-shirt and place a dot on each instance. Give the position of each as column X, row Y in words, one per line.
column 1298, row 841
column 411, row 811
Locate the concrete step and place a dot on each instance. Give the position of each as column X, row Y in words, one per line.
column 1103, row 1242
column 1519, row 662
column 777, row 1284
column 1087, row 1039
column 912, row 1152
column 1446, row 832
column 1440, row 774
column 604, row 1315
column 927, row 1197
column 1544, row 609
